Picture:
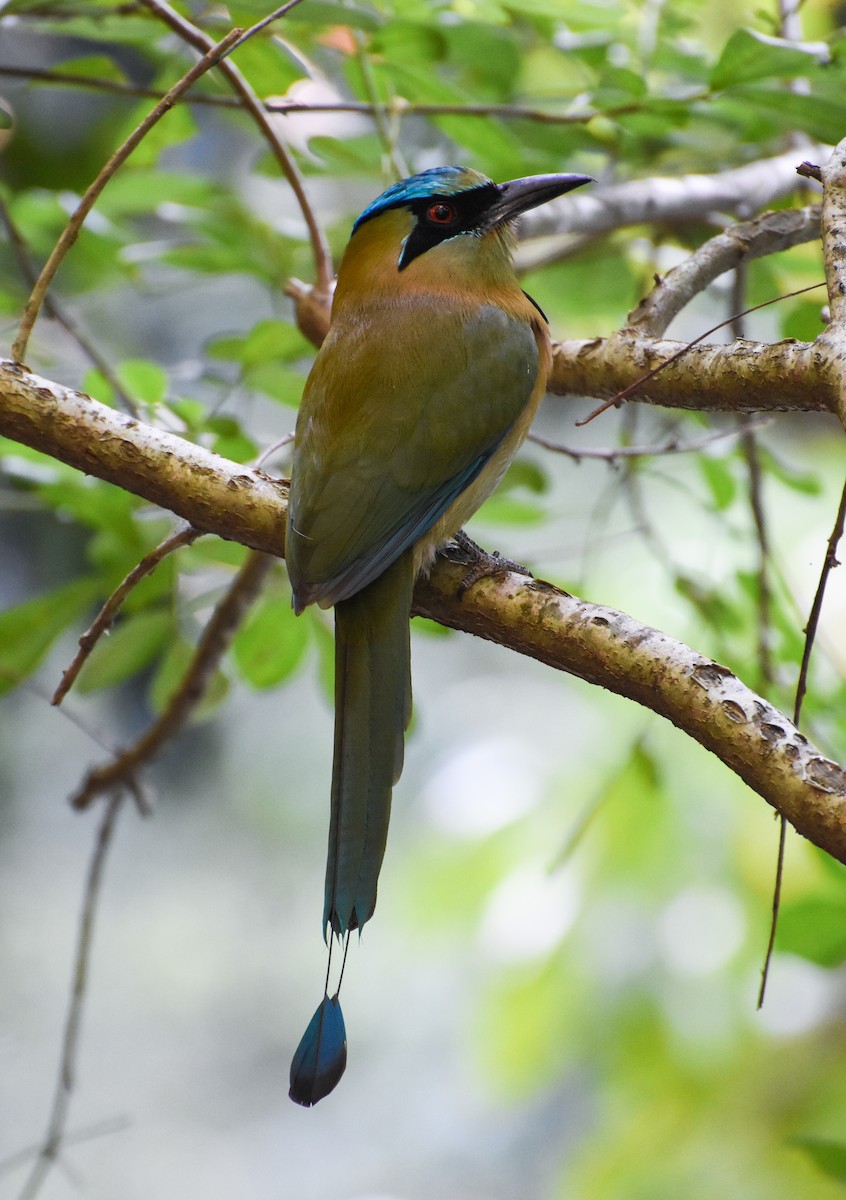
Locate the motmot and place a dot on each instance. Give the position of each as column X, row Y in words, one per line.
column 419, row 398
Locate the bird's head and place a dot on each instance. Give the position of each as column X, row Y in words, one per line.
column 454, row 211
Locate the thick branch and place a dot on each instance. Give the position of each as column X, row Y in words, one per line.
column 743, row 377
column 704, row 699
column 210, row 492
column 594, row 643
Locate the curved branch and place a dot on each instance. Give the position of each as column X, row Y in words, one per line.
column 592, row 642
column 767, row 234
column 702, row 698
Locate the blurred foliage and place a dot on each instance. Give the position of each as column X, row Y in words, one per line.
column 690, row 1095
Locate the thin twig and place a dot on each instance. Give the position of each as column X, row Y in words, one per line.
column 217, row 635
column 200, row 41
column 57, row 313
column 55, row 1136
column 110, row 609
column 673, row 446
column 829, row 563
column 379, row 110
column 71, row 231
column 396, row 107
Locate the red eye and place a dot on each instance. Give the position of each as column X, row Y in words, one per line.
column 441, row 213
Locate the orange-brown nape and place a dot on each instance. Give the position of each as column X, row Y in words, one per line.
column 418, row 400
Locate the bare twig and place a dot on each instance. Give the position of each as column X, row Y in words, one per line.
column 110, row 609
column 55, row 1137
column 217, row 635
column 618, row 453
column 200, row 41
column 397, row 107
column 71, row 231
column 829, row 563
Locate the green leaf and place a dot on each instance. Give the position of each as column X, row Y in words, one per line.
column 720, row 480
column 269, row 341
column 130, row 647
column 814, row 929
column 270, row 645
column 526, row 474
column 93, row 66
column 28, row 630
column 798, row 480
column 144, row 380
column 829, row 1156
column 749, row 55
column 783, row 111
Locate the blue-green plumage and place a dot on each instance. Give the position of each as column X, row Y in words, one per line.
column 418, row 399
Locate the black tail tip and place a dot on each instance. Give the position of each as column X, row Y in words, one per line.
column 321, row 1057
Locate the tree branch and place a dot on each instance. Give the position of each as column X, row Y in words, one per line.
column 704, row 699
column 594, row 643
column 744, row 377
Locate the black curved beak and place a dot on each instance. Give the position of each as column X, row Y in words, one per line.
column 519, row 195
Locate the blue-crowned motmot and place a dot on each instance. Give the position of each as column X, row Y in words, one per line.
column 418, row 400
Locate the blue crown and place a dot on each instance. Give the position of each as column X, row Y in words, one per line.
column 437, row 181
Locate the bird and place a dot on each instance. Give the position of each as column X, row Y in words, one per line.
column 418, row 399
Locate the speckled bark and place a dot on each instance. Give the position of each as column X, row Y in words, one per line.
column 612, row 650
column 208, row 491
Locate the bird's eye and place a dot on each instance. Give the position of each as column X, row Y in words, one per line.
column 441, row 213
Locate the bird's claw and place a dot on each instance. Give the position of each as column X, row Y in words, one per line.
column 482, row 564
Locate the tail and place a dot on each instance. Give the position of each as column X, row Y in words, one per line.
column 372, row 711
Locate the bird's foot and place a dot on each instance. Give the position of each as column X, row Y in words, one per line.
column 482, row 564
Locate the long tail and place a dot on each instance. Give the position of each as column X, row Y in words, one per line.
column 372, row 711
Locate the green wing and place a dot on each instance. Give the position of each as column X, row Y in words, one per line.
column 390, row 433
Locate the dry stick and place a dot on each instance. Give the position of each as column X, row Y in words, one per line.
column 110, row 609
column 54, row 1138
column 200, row 41
column 216, row 637
column 74, row 225
column 829, row 563
column 673, row 446
column 54, row 310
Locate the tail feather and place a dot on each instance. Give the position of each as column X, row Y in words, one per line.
column 372, row 711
